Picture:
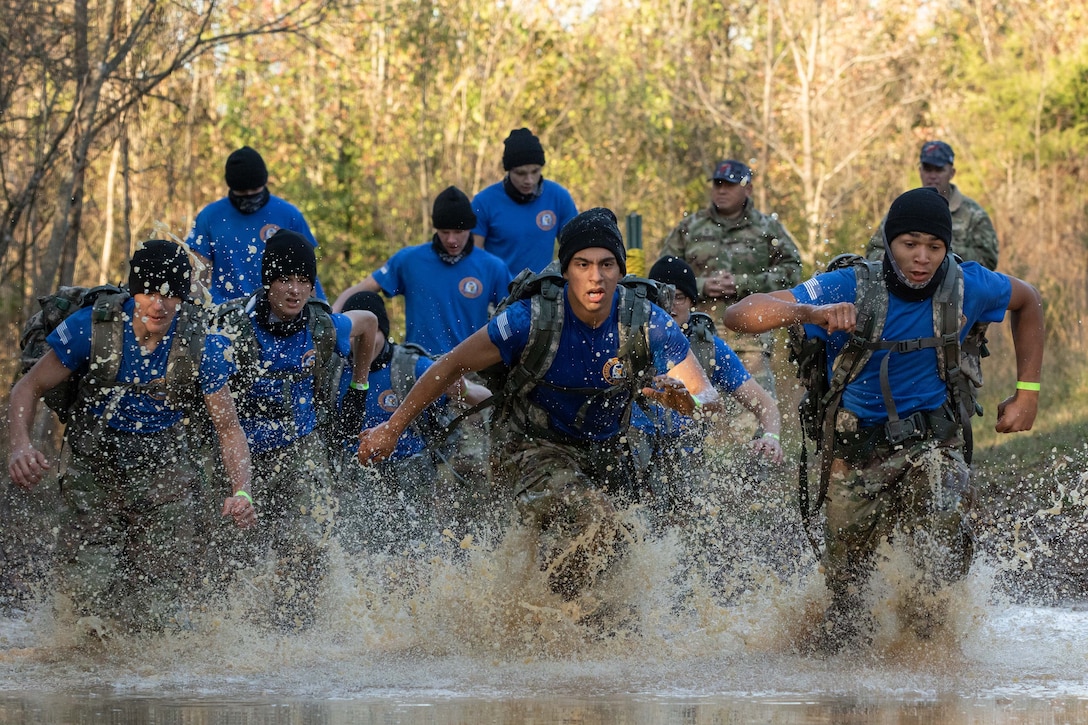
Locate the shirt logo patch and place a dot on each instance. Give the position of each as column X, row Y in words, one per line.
column 267, row 231
column 546, row 220
column 309, row 359
column 157, row 389
column 471, row 287
column 614, row 371
column 389, row 401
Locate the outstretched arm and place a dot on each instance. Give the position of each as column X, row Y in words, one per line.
column 367, row 285
column 754, row 398
column 235, row 452
column 763, row 312
column 475, row 353
column 1017, row 413
column 27, row 464
column 685, row 389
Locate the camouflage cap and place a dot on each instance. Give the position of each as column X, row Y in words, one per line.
column 732, row 171
column 937, row 153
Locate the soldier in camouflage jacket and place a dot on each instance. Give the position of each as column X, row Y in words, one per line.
column 735, row 251
column 973, row 235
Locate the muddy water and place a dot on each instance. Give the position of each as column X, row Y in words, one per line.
column 467, row 633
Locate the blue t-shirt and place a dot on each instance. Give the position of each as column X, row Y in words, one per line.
column 382, row 401
column 586, row 358
column 137, row 411
column 290, row 414
column 234, row 242
column 913, row 377
column 522, row 235
column 443, row 303
column 728, row 375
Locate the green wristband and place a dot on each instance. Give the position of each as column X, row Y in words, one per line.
column 1021, row 385
column 245, row 495
column 359, row 386
column 698, row 403
column 771, row 435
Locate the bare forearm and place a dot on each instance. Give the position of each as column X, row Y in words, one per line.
column 762, row 312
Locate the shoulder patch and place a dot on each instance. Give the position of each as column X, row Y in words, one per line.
column 813, row 287
column 502, row 322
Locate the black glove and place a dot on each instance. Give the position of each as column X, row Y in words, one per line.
column 352, row 414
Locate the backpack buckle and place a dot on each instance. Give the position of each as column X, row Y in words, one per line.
column 914, row 426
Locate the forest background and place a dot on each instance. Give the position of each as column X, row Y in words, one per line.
column 117, row 117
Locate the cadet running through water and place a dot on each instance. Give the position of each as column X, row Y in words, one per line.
column 559, row 448
column 126, row 532
column 897, row 442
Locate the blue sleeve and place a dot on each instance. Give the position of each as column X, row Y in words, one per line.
column 730, row 373
column 343, row 334
column 215, row 369
column 71, row 339
column 389, row 277
column 568, row 210
column 200, row 238
column 509, row 330
column 479, row 209
column 986, row 295
column 668, row 343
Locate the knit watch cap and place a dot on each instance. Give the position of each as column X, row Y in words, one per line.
column 245, row 170
column 920, row 210
column 521, row 149
column 452, row 210
column 287, row 253
column 370, row 302
column 595, row 227
column 678, row 273
column 159, row 267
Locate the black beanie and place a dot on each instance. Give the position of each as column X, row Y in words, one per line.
column 521, row 149
column 370, row 302
column 920, row 210
column 452, row 210
column 159, row 267
column 595, row 227
column 678, row 273
column 246, row 170
column 287, row 253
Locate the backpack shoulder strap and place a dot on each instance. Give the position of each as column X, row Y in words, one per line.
column 329, row 365
column 701, row 333
column 183, row 363
column 107, row 338
column 546, row 327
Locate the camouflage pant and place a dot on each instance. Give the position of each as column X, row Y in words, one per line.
column 921, row 493
column 127, row 528
column 293, row 493
column 387, row 506
column 567, row 492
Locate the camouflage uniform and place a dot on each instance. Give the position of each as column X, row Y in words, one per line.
column 565, row 490
column 760, row 254
column 973, row 235
column 293, row 490
column 920, row 491
column 126, row 546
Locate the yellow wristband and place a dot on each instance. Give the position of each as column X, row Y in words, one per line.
column 359, row 386
column 1021, row 385
column 245, row 495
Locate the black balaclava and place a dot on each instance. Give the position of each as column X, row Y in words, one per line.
column 373, row 302
column 918, row 210
column 245, row 170
column 595, row 227
column 160, row 267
